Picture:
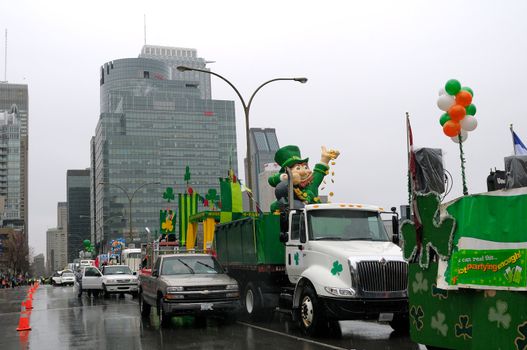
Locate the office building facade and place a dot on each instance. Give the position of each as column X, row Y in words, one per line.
column 264, row 145
column 78, row 212
column 180, row 56
column 150, row 128
column 13, row 155
column 56, row 240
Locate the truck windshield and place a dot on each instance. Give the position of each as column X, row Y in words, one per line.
column 181, row 265
column 345, row 225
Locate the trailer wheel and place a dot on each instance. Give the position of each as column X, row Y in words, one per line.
column 251, row 301
column 312, row 316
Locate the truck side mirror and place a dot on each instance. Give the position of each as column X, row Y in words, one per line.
column 395, row 226
column 284, row 221
column 284, row 237
column 155, row 273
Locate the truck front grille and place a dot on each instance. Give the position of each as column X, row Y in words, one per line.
column 383, row 276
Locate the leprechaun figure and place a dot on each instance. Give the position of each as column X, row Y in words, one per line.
column 305, row 180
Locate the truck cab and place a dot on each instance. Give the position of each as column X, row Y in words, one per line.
column 343, row 266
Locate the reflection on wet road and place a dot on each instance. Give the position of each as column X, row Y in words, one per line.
column 60, row 320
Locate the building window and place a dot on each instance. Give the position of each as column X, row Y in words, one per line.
column 146, row 74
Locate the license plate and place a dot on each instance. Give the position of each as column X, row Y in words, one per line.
column 206, row 306
column 385, row 316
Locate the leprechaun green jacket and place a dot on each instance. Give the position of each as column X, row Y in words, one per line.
column 308, row 194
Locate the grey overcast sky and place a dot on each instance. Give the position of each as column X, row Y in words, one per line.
column 368, row 62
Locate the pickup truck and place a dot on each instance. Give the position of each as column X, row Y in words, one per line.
column 187, row 284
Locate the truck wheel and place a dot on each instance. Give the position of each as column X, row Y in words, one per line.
column 144, row 308
column 312, row 317
column 251, row 301
column 164, row 318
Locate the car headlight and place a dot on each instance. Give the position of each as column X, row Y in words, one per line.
column 174, row 289
column 340, row 292
column 232, row 287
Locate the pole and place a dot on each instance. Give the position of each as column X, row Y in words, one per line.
column 246, row 109
column 512, row 136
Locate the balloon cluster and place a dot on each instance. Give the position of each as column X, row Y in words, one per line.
column 459, row 118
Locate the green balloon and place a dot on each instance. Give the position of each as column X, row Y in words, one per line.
column 471, row 109
column 86, row 243
column 466, row 88
column 452, row 87
column 444, row 118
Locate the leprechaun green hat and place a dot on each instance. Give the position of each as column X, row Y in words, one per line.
column 288, row 156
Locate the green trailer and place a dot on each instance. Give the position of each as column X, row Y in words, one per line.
column 251, row 251
column 468, row 271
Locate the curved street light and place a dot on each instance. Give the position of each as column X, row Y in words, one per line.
column 130, row 199
column 246, row 109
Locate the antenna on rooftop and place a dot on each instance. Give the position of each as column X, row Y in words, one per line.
column 144, row 21
column 5, row 59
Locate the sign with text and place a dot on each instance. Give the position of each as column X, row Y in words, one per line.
column 489, row 267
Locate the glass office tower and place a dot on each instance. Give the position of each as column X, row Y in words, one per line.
column 150, row 128
column 13, row 161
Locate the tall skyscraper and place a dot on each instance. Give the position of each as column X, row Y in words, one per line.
column 78, row 213
column 56, row 240
column 150, row 128
column 179, row 56
column 264, row 145
column 13, row 155
column 13, row 161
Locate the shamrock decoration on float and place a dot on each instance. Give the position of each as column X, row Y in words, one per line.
column 456, row 102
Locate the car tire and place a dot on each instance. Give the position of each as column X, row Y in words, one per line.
column 144, row 307
column 312, row 318
column 400, row 325
column 164, row 318
column 134, row 295
column 105, row 293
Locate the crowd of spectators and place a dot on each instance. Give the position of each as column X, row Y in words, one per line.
column 8, row 280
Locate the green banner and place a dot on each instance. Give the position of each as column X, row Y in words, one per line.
column 489, row 267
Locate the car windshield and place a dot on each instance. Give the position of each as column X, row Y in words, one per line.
column 67, row 274
column 182, row 265
column 117, row 270
column 346, row 225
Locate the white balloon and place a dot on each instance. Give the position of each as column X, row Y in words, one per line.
column 469, row 123
column 464, row 137
column 442, row 91
column 444, row 102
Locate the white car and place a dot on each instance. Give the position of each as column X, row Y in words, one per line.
column 90, row 280
column 119, row 279
column 64, row 277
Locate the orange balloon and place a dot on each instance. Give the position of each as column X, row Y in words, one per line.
column 463, row 98
column 451, row 128
column 457, row 112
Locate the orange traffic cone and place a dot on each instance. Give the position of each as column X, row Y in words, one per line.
column 23, row 324
column 24, row 337
column 29, row 304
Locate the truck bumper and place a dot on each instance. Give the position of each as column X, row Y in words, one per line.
column 127, row 288
column 196, row 308
column 363, row 309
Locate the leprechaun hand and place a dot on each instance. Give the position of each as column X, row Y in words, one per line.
column 327, row 155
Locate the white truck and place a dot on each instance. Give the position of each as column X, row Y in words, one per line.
column 335, row 262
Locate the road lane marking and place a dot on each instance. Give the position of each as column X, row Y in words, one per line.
column 293, row 336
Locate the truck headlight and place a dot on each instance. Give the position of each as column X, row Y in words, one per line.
column 232, row 287
column 174, row 289
column 340, row 292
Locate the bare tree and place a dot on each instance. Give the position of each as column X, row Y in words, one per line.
column 17, row 252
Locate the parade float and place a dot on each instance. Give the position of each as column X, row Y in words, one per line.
column 467, row 257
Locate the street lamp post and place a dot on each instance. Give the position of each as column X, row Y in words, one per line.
column 246, row 110
column 130, row 199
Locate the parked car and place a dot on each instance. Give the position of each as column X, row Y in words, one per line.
column 119, row 279
column 90, row 280
column 63, row 277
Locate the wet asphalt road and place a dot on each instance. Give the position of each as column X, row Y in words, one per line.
column 59, row 320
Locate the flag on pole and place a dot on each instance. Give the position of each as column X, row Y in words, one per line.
column 412, row 170
column 519, row 147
